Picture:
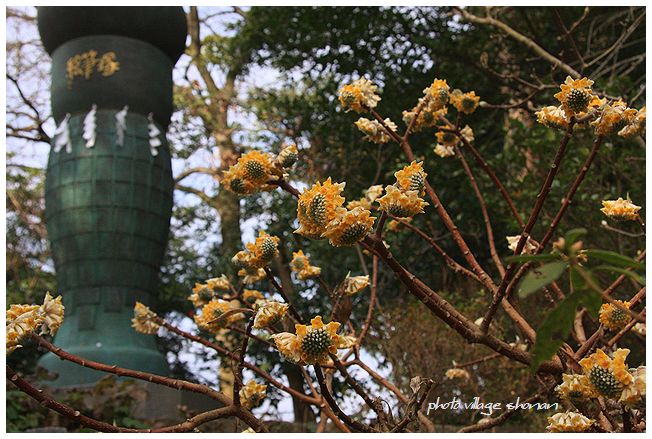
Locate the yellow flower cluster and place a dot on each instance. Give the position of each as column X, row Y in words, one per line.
column 300, row 264
column 143, row 320
column 614, row 318
column 251, row 296
column 620, row 210
column 211, row 318
column 457, row 374
column 257, row 254
column 317, row 207
column 634, row 394
column 287, row 157
column 268, row 312
column 430, row 115
column 512, row 243
column 359, row 96
column 438, row 92
column 251, row 173
column 636, row 126
column 412, row 178
column 403, row 199
column 575, row 95
column 613, row 118
column 251, row 275
column 353, row 285
column 201, row 295
column 569, row 422
column 311, row 344
column 553, row 117
column 444, row 151
column 433, row 105
column 24, row 320
column 321, row 215
column 220, row 284
column 349, row 226
column 464, row 102
column 252, row 394
column 575, row 387
column 607, row 376
column 374, row 131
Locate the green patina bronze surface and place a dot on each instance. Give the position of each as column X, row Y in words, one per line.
column 108, row 207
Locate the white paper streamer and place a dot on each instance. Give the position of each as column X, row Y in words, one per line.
column 121, row 124
column 154, row 141
column 62, row 136
column 89, row 132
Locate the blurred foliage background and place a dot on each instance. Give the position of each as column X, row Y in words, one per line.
column 308, row 53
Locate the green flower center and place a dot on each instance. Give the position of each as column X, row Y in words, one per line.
column 417, row 182
column 317, row 210
column 398, row 211
column 578, row 100
column 238, row 186
column 353, row 234
column 205, row 294
column 316, row 342
column 268, row 249
column 255, row 170
column 604, row 381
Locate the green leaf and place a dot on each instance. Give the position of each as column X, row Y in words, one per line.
column 615, row 259
column 572, row 235
column 576, row 280
column 539, row 277
column 592, row 301
column 554, row 330
column 635, row 276
column 530, row 258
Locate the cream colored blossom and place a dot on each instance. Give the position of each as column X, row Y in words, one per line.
column 613, row 118
column 457, row 373
column 220, row 284
column 373, row 192
column 575, row 387
column 553, row 117
column 639, row 329
column 512, row 243
column 22, row 321
column 401, row 204
column 569, row 422
column 636, row 126
column 467, row 134
column 251, row 296
column 355, row 284
column 252, row 394
column 359, row 96
column 634, row 393
column 374, row 131
column 212, row 317
column 288, row 156
column 444, row 151
column 143, row 320
column 620, row 210
column 300, row 264
column 269, row 312
column 52, row 311
column 251, row 275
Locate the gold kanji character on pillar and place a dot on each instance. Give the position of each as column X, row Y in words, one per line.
column 107, row 64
